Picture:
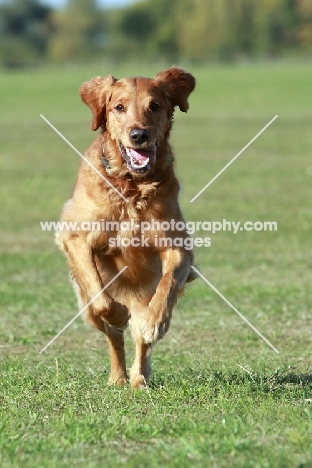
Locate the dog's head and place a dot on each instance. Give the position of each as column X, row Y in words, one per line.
column 137, row 113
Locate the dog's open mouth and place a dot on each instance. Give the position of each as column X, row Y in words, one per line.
column 138, row 160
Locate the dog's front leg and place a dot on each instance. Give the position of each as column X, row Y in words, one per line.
column 176, row 265
column 84, row 270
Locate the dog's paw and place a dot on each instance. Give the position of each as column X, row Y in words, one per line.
column 153, row 331
column 117, row 316
column 138, row 382
column 117, row 380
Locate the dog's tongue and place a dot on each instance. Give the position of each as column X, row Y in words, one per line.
column 141, row 158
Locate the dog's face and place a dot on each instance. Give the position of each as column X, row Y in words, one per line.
column 137, row 113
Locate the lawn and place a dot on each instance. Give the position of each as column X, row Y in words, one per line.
column 219, row 396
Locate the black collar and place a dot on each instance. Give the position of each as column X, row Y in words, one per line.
column 105, row 161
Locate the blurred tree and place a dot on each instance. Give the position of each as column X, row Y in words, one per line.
column 25, row 28
column 137, row 22
column 145, row 30
column 304, row 26
column 274, row 26
column 208, row 29
column 79, row 32
column 164, row 40
column 228, row 29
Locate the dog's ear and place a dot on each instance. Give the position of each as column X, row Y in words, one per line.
column 177, row 85
column 94, row 93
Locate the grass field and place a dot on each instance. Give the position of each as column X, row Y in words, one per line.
column 220, row 396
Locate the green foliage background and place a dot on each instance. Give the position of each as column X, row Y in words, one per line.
column 166, row 30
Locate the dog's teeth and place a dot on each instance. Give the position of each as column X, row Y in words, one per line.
column 136, row 165
column 133, row 162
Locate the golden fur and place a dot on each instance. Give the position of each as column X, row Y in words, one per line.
column 135, row 116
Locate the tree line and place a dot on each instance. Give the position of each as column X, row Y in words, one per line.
column 169, row 30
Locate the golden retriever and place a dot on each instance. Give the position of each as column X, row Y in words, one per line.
column 128, row 182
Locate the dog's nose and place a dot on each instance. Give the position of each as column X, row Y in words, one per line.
column 139, row 135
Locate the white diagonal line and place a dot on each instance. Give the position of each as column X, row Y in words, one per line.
column 83, row 157
column 235, row 157
column 235, row 310
column 82, row 310
column 248, row 372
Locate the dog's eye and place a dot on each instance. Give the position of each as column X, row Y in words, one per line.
column 154, row 106
column 120, row 108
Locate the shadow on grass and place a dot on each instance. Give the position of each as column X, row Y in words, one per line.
column 216, row 379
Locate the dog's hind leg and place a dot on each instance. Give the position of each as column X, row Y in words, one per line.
column 114, row 338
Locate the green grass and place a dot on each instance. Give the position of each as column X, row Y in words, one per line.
column 219, row 395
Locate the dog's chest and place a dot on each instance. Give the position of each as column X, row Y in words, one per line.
column 127, row 237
